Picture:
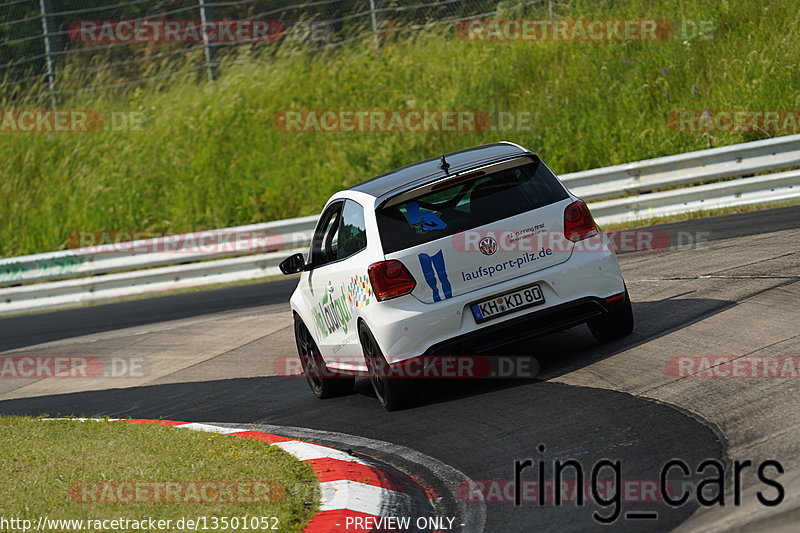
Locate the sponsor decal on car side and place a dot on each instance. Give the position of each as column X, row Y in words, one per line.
column 433, row 267
column 332, row 314
column 526, row 233
column 349, row 339
column 490, row 271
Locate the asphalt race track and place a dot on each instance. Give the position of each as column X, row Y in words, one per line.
column 726, row 286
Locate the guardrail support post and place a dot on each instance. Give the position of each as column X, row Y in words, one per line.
column 210, row 50
column 375, row 34
column 50, row 46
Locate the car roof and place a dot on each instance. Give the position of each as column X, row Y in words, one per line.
column 429, row 170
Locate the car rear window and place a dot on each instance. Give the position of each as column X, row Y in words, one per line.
column 467, row 205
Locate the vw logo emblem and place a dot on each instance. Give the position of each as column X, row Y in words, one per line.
column 487, row 246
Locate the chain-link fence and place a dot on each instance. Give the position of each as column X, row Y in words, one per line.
column 50, row 49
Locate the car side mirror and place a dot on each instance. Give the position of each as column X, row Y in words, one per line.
column 293, row 264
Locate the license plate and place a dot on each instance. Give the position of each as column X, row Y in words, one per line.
column 507, row 303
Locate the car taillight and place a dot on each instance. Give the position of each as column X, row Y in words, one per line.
column 390, row 279
column 578, row 222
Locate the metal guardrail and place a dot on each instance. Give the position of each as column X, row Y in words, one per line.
column 641, row 177
column 95, row 288
column 621, row 193
column 156, row 252
column 780, row 187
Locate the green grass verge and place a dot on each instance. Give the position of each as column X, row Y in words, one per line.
column 42, row 460
column 210, row 155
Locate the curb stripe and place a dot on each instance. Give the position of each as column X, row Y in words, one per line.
column 349, row 488
column 305, row 451
column 333, row 469
column 210, row 429
column 261, row 437
column 148, row 421
column 354, row 496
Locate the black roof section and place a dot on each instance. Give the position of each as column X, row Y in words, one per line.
column 428, row 170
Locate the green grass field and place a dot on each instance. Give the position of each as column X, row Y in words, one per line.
column 210, row 155
column 74, row 470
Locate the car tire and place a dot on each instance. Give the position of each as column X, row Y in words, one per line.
column 393, row 393
column 614, row 324
column 324, row 383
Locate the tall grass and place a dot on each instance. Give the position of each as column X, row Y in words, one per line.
column 210, row 155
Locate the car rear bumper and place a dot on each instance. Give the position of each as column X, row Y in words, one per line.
column 499, row 335
column 574, row 291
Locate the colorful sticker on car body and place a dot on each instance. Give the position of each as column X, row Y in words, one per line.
column 359, row 291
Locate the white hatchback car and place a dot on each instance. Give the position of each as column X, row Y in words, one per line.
column 449, row 256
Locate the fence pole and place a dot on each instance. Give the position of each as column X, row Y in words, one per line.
column 50, row 45
column 374, row 17
column 210, row 51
